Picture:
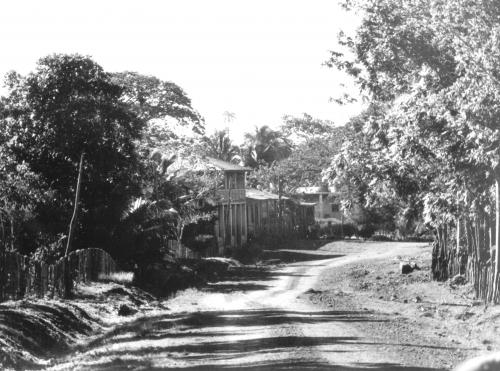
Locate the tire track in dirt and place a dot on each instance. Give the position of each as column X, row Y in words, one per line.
column 270, row 327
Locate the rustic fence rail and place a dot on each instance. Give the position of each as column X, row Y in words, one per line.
column 19, row 278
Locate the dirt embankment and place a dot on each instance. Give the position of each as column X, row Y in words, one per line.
column 34, row 332
column 413, row 308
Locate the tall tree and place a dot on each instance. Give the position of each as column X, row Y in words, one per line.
column 264, row 146
column 434, row 65
column 152, row 98
column 172, row 125
column 66, row 107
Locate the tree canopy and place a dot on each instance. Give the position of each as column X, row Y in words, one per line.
column 430, row 67
column 66, row 107
column 264, row 146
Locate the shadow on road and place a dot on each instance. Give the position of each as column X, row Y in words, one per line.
column 253, row 278
column 212, row 338
column 286, row 365
column 293, row 256
column 245, row 339
column 311, row 365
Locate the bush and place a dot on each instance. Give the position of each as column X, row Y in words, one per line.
column 248, row 254
column 366, row 230
column 209, row 269
column 381, row 238
column 337, row 231
column 51, row 252
column 163, row 279
column 349, row 230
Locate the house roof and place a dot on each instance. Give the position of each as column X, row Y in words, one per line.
column 312, row 190
column 196, row 163
column 255, row 194
column 226, row 166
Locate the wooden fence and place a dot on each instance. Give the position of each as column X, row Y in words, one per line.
column 179, row 251
column 19, row 278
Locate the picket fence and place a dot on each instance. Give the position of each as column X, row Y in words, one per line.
column 19, row 278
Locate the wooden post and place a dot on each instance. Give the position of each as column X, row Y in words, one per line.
column 74, row 217
column 497, row 235
column 68, row 282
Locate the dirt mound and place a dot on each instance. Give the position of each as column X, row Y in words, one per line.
column 33, row 332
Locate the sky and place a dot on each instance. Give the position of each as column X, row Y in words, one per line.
column 259, row 59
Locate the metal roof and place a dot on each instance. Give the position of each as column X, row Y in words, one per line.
column 255, row 194
column 226, row 166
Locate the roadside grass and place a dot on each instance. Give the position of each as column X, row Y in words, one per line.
column 118, row 277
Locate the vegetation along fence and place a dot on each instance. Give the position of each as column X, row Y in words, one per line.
column 20, row 278
column 467, row 247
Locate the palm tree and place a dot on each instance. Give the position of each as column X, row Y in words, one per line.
column 266, row 145
column 220, row 146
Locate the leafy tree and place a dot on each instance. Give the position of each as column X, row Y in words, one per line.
column 21, row 191
column 306, row 128
column 152, row 98
column 66, row 107
column 172, row 125
column 433, row 66
column 313, row 143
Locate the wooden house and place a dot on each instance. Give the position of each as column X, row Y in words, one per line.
column 262, row 212
column 326, row 202
column 231, row 226
column 243, row 213
column 264, row 219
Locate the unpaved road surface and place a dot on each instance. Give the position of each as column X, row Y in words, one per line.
column 259, row 320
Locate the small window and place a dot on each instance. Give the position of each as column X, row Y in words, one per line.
column 335, row 208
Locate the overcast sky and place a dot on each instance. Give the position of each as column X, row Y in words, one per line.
column 260, row 59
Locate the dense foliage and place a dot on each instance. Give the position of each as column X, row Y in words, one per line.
column 67, row 107
column 127, row 127
column 431, row 139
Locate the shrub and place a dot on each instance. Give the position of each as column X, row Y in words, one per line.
column 381, row 238
column 337, row 231
column 366, row 230
column 248, row 254
column 163, row 279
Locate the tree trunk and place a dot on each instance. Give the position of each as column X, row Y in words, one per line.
column 74, row 217
column 497, row 235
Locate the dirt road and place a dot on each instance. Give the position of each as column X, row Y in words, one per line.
column 258, row 320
